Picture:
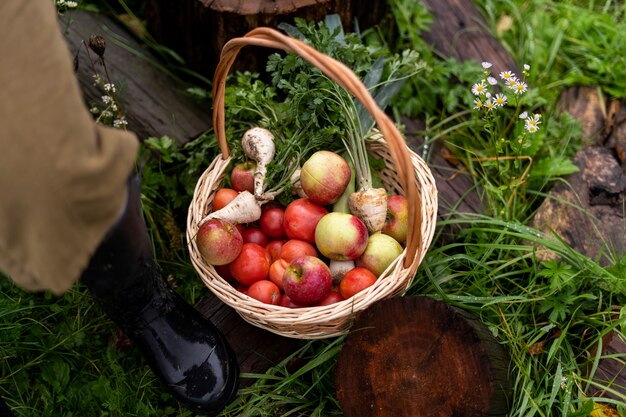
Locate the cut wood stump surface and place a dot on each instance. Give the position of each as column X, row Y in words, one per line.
column 405, row 356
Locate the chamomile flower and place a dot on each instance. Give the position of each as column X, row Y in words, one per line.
column 499, row 100
column 489, row 105
column 507, row 75
column 492, row 81
column 479, row 88
column 486, row 65
column 520, row 87
column 511, row 83
column 532, row 123
column 523, row 115
column 478, row 103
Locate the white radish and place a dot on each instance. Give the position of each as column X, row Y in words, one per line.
column 339, row 268
column 297, row 186
column 371, row 207
column 244, row 208
column 258, row 144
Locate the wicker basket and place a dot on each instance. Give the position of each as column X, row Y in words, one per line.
column 405, row 173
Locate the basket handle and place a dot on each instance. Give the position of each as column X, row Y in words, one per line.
column 344, row 76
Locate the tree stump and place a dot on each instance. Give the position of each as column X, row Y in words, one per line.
column 611, row 370
column 198, row 29
column 415, row 356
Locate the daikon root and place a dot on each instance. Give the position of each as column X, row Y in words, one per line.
column 244, row 208
column 339, row 268
column 258, row 145
column 371, row 207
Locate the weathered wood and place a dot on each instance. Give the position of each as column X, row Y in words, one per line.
column 611, row 369
column 415, row 356
column 458, row 31
column 154, row 103
column 594, row 198
column 198, row 29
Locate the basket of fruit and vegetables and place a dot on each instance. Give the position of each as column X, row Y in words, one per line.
column 300, row 255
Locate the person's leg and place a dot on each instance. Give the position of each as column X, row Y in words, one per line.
column 185, row 350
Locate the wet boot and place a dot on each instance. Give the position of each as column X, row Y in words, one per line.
column 186, row 352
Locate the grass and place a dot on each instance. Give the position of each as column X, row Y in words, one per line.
column 60, row 356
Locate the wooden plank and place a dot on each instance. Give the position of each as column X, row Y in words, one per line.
column 155, row 103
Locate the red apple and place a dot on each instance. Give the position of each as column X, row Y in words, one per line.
column 332, row 298
column 265, row 291
column 341, row 236
column 356, row 281
column 277, row 272
column 242, row 176
column 301, row 217
column 324, row 177
column 397, row 221
column 254, row 235
column 307, row 281
column 274, row 248
column 218, row 242
column 381, row 251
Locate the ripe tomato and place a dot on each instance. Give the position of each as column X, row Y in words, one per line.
column 301, row 217
column 223, row 196
column 254, row 235
column 271, row 222
column 356, row 280
column 252, row 264
column 274, row 248
column 332, row 298
column 295, row 248
column 277, row 270
column 265, row 291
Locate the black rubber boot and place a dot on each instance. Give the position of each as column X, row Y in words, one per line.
column 185, row 350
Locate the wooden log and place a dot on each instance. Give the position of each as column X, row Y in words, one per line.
column 594, row 198
column 415, row 356
column 458, row 31
column 611, row 370
column 198, row 29
column 154, row 103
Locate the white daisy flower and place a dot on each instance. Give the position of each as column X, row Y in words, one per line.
column 479, row 88
column 507, row 75
column 486, row 65
column 523, row 115
column 500, row 100
column 520, row 87
column 492, row 81
column 478, row 103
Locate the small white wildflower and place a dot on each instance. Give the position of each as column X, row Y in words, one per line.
column 71, row 4
column 113, row 107
column 532, row 123
column 492, row 81
column 478, row 103
column 500, row 100
column 489, row 105
column 511, row 83
column 118, row 123
column 106, row 99
column 479, row 88
column 108, row 87
column 94, row 110
column 523, row 115
column 564, row 382
column 488, row 95
column 526, row 67
column 60, row 2
column 486, row 65
column 106, row 113
column 520, row 87
column 507, row 75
